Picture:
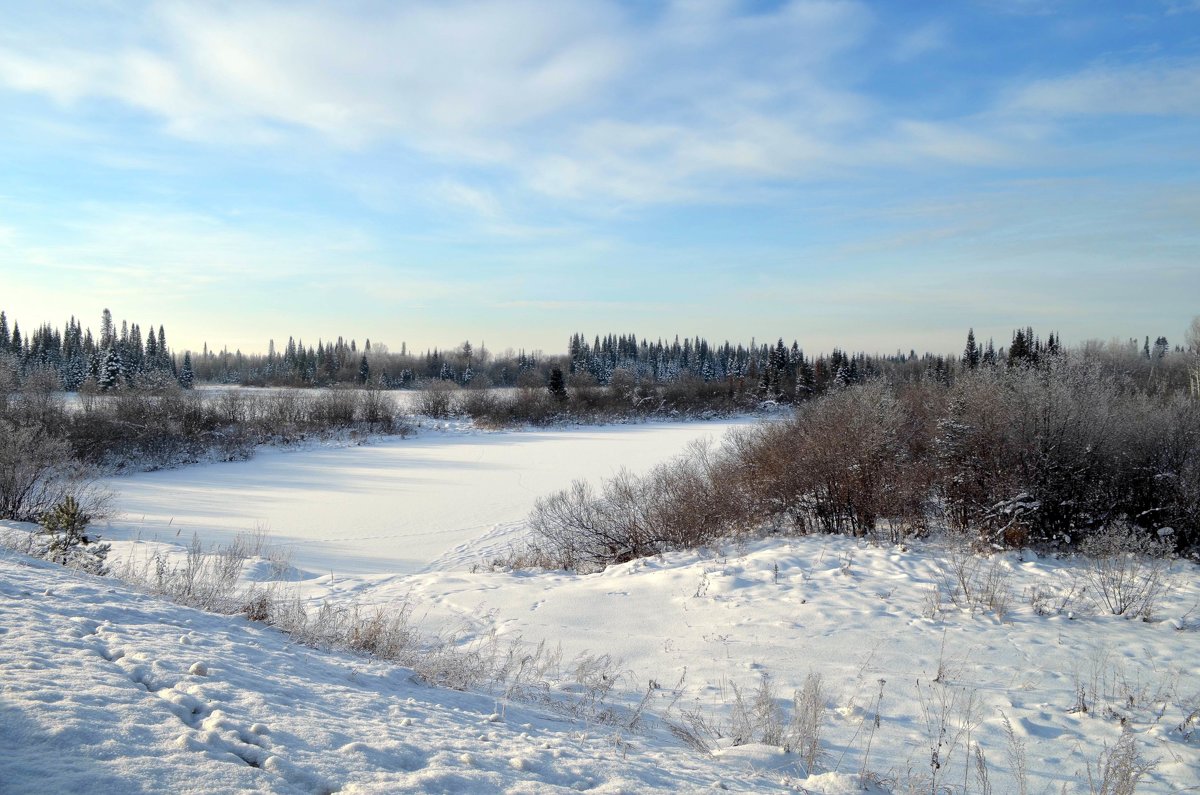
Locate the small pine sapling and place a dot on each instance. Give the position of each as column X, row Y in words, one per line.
column 65, row 540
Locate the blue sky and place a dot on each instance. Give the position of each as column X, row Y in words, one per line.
column 870, row 175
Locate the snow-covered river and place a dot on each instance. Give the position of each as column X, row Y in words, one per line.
column 393, row 506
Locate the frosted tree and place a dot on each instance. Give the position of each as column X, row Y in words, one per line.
column 110, row 370
column 186, row 376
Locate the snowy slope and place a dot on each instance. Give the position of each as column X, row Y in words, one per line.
column 399, row 522
column 858, row 614
column 106, row 690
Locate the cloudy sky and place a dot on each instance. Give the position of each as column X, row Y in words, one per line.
column 870, row 175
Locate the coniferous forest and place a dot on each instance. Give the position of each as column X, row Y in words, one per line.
column 72, row 358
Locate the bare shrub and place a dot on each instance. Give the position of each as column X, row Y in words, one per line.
column 483, row 405
column 1119, row 769
column 437, row 399
column 1055, row 600
column 675, row 505
column 37, row 473
column 1127, row 569
column 860, row 477
column 972, row 580
column 808, row 715
column 334, row 408
column 375, row 408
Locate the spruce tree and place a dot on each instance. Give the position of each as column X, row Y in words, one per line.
column 107, row 333
column 186, row 376
column 971, row 354
column 110, row 370
column 364, row 370
column 557, row 385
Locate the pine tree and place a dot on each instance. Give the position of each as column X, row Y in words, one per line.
column 989, row 353
column 110, row 370
column 186, row 376
column 971, row 354
column 1020, row 350
column 64, row 538
column 364, row 370
column 5, row 340
column 107, row 334
column 557, row 385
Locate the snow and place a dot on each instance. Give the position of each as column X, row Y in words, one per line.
column 393, row 506
column 101, row 690
column 108, row 687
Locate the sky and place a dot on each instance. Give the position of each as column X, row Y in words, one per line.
column 870, row 175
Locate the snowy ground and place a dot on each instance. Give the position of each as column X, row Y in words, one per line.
column 413, row 519
column 106, row 690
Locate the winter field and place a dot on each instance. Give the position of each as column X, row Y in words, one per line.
column 939, row 670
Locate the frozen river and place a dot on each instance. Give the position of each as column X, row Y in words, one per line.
column 393, row 506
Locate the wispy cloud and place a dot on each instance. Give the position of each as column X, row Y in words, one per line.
column 574, row 99
column 1163, row 88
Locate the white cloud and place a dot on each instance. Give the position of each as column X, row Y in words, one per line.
column 1152, row 89
column 421, row 71
column 585, row 100
column 925, row 39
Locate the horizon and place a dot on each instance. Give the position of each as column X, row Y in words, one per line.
column 1001, row 343
column 858, row 175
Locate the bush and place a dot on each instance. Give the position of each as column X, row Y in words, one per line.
column 36, row 470
column 1127, row 569
column 1046, row 455
column 436, row 399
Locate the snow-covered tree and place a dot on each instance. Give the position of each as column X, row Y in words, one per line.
column 110, row 375
column 186, row 376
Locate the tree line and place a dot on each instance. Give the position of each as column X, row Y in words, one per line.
column 125, row 357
